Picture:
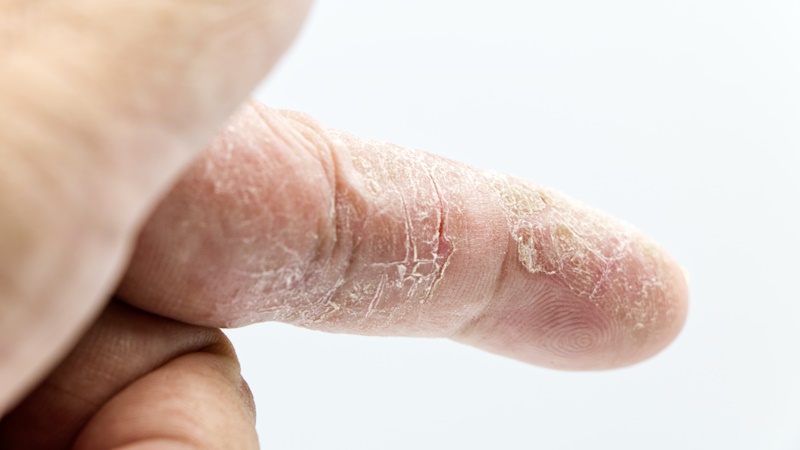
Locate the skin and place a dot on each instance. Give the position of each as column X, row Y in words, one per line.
column 114, row 185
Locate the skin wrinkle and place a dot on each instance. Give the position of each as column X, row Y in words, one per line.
column 331, row 237
column 348, row 294
column 405, row 263
column 279, row 269
column 345, row 233
column 311, row 279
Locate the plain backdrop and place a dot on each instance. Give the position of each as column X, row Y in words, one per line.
column 681, row 117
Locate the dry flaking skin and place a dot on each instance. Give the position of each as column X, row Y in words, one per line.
column 283, row 220
column 390, row 216
column 412, row 230
column 559, row 237
column 603, row 262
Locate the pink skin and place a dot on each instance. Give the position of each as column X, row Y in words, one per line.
column 283, row 220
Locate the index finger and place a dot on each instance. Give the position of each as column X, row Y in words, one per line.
column 284, row 220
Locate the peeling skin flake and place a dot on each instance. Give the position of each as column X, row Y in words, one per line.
column 599, row 259
column 283, row 220
column 403, row 250
column 404, row 245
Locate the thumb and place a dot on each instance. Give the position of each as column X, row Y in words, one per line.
column 102, row 104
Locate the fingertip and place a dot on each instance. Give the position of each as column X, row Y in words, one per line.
column 635, row 309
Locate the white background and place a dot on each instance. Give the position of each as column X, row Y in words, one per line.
column 681, row 117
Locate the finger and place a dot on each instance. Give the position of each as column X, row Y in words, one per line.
column 193, row 402
column 102, row 104
column 125, row 348
column 283, row 220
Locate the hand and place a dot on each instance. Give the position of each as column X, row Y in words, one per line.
column 105, row 105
